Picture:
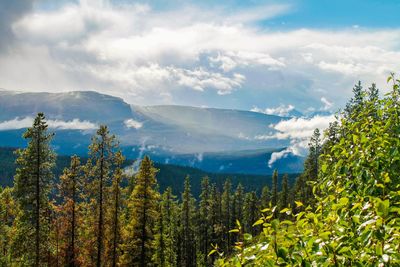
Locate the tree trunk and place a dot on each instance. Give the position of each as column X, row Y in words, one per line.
column 100, row 222
column 37, row 228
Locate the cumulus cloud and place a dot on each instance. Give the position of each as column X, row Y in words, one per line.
column 298, row 131
column 147, row 56
column 75, row 124
column 281, row 110
column 16, row 123
column 131, row 123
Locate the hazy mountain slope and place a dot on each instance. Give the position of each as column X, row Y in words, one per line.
column 177, row 134
column 85, row 105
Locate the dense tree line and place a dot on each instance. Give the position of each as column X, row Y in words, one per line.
column 96, row 214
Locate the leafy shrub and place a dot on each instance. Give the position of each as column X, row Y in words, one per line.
column 355, row 221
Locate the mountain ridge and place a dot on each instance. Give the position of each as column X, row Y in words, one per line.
column 182, row 134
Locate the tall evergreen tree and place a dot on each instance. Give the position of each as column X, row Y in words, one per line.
column 205, row 226
column 114, row 231
column 188, row 227
column 8, row 211
column 284, row 194
column 101, row 151
column 274, row 199
column 143, row 207
column 265, row 197
column 70, row 190
column 354, row 106
column 33, row 182
column 238, row 203
column 227, row 222
column 251, row 212
column 165, row 242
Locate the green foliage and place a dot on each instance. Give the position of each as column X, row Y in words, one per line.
column 143, row 209
column 355, row 218
column 33, row 181
column 165, row 241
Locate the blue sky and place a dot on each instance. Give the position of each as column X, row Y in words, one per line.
column 268, row 56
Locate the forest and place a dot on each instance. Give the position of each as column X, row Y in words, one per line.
column 343, row 210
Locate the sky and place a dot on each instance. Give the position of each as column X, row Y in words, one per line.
column 267, row 56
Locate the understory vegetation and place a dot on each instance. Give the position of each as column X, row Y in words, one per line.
column 343, row 210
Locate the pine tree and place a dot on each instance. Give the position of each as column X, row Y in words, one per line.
column 205, row 226
column 188, row 227
column 33, row 182
column 8, row 211
column 98, row 169
column 226, row 214
column 215, row 217
column 143, row 207
column 355, row 104
column 251, row 212
column 238, row 203
column 114, row 231
column 310, row 173
column 284, row 194
column 165, row 242
column 274, row 199
column 70, row 189
column 265, row 197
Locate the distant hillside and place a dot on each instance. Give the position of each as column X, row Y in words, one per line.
column 168, row 175
column 182, row 135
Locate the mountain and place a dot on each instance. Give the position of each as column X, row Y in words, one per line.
column 215, row 140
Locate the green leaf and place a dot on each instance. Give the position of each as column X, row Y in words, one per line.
column 298, row 204
column 260, row 221
column 343, row 201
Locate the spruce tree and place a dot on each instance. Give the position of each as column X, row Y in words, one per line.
column 274, row 199
column 205, row 226
column 238, row 203
column 226, row 214
column 101, row 151
column 251, row 213
column 265, row 197
column 114, row 231
column 284, row 194
column 70, row 190
column 33, row 181
column 165, row 242
column 143, row 207
column 8, row 211
column 188, row 227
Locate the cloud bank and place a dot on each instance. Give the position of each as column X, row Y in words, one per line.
column 75, row 124
column 209, row 56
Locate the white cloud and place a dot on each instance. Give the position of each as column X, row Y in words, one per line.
column 16, row 123
column 75, row 124
column 327, row 103
column 131, row 123
column 281, row 110
column 298, row 131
